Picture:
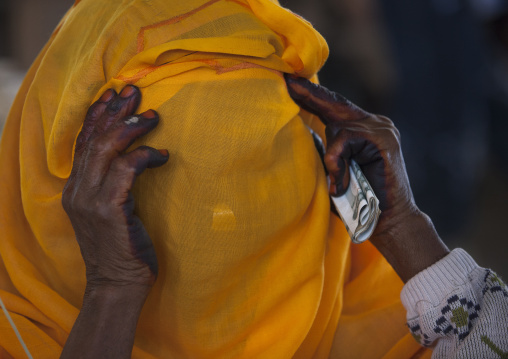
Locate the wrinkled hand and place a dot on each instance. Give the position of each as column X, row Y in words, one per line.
column 404, row 235
column 115, row 246
column 371, row 140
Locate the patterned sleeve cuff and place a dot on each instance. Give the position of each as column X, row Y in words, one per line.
column 435, row 283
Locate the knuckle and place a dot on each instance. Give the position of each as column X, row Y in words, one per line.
column 395, row 135
column 121, row 166
column 392, row 136
column 386, row 122
column 341, row 138
column 99, row 145
column 96, row 110
column 383, row 120
column 145, row 152
column 331, row 162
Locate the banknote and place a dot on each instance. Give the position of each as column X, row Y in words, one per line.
column 358, row 207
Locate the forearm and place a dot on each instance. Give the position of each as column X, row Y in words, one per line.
column 410, row 244
column 106, row 325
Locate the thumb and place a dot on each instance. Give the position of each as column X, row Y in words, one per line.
column 331, row 107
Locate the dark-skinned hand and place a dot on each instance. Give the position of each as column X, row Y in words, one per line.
column 115, row 246
column 371, row 140
column 120, row 260
column 404, row 235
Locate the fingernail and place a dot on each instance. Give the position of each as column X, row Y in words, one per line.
column 107, row 96
column 149, row 114
column 165, row 153
column 127, row 91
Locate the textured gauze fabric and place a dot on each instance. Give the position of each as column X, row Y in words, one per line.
column 251, row 263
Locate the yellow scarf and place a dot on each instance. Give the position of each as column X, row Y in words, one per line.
column 251, row 263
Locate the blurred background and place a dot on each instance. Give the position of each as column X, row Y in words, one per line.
column 437, row 68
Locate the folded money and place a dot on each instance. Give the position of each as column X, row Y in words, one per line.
column 358, row 207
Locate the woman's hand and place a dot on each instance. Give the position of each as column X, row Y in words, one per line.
column 114, row 243
column 120, row 261
column 352, row 133
column 404, row 235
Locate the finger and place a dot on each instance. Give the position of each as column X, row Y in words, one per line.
column 92, row 116
column 329, row 106
column 347, row 145
column 117, row 108
column 337, row 165
column 122, row 105
column 103, row 149
column 124, row 170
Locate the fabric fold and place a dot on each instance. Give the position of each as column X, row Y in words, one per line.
column 251, row 263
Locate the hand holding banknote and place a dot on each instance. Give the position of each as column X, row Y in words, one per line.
column 371, row 141
column 358, row 207
column 404, row 235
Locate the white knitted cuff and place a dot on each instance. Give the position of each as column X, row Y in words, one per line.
column 434, row 284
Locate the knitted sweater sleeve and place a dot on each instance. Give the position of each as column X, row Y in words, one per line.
column 458, row 308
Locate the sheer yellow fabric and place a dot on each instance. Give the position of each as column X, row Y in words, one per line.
column 252, row 265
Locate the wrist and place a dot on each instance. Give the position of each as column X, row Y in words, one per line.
column 115, row 296
column 410, row 243
column 117, row 276
column 107, row 321
column 436, row 283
